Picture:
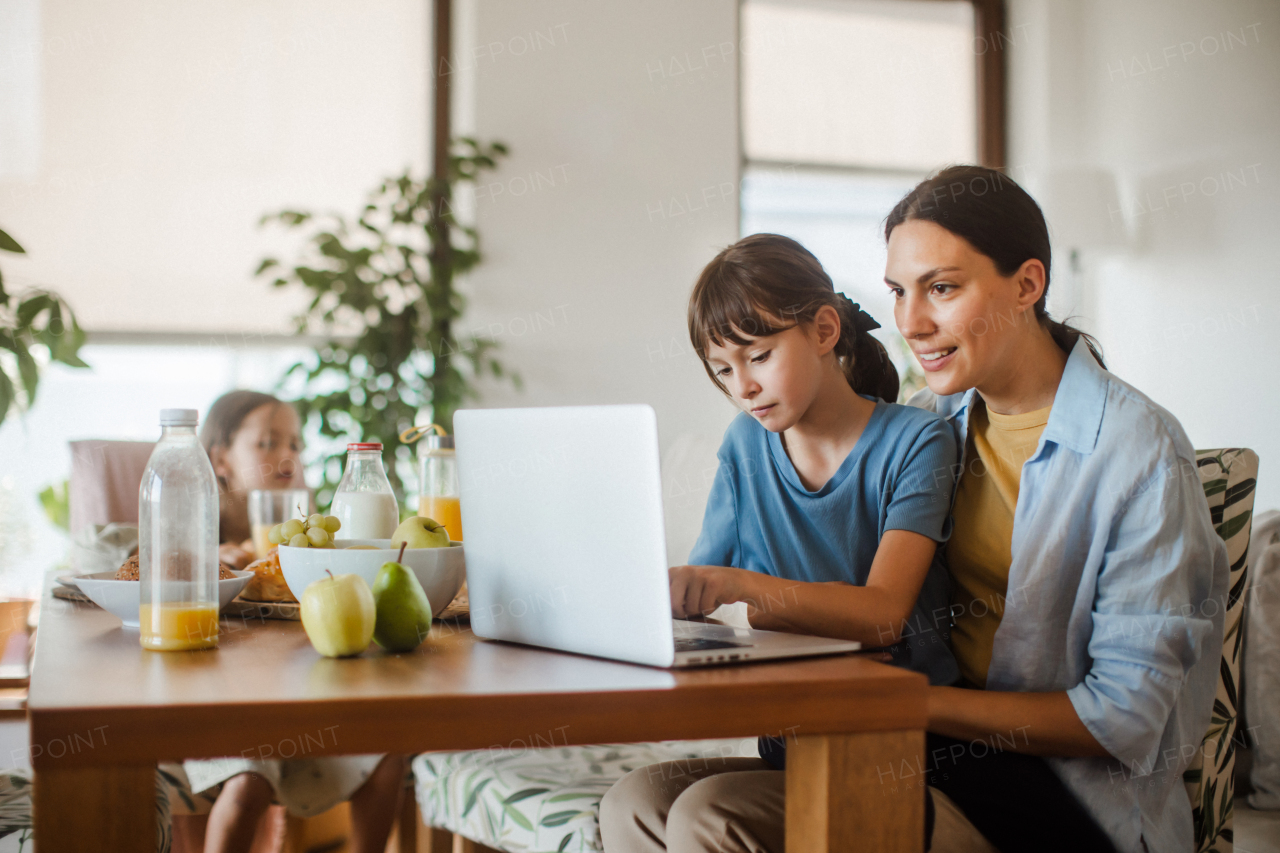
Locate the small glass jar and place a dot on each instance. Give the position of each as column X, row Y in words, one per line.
column 364, row 501
column 178, row 541
column 438, row 496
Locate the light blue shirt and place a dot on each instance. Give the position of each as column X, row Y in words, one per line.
column 1116, row 595
column 898, row 476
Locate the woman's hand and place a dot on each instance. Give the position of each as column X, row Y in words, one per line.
column 698, row 590
column 235, row 556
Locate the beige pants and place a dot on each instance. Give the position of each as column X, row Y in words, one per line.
column 734, row 805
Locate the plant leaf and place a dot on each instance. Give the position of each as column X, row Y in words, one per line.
column 6, row 394
column 9, row 244
column 27, row 370
column 30, row 308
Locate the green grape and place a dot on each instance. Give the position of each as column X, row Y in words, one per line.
column 273, row 535
column 291, row 528
column 318, row 536
column 332, row 524
column 316, row 520
column 299, row 540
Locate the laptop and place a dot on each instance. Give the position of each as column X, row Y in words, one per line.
column 565, row 543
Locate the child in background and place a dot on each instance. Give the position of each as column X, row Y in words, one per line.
column 254, row 441
column 828, row 499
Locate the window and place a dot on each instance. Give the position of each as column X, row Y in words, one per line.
column 846, row 105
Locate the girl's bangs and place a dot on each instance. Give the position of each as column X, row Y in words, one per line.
column 728, row 314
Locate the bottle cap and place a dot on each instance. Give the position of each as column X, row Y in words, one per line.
column 179, row 417
column 366, row 445
column 439, row 442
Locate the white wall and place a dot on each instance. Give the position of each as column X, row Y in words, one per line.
column 621, row 186
column 1175, row 102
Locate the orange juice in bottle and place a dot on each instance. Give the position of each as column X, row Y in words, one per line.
column 438, row 481
column 178, row 541
column 178, row 627
column 445, row 510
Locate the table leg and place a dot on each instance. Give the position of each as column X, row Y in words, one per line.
column 95, row 809
column 856, row 792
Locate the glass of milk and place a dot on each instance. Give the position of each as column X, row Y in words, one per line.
column 364, row 502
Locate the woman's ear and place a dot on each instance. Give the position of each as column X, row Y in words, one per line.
column 1031, row 282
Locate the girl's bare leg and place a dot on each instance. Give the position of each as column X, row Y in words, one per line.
column 375, row 805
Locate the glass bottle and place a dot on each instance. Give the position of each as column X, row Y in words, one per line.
column 178, row 540
column 438, row 478
column 364, row 502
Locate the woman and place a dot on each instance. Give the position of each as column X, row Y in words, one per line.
column 1084, row 565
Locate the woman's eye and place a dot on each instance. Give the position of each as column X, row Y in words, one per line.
column 896, row 291
column 942, row 288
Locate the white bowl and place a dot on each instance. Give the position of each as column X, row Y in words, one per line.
column 123, row 597
column 441, row 571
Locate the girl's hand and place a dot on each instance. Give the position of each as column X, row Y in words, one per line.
column 698, row 590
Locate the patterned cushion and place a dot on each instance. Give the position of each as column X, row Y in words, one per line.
column 1229, row 477
column 528, row 800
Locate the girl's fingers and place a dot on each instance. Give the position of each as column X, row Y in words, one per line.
column 709, row 600
column 693, row 594
column 678, row 585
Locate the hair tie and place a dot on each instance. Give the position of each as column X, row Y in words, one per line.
column 862, row 321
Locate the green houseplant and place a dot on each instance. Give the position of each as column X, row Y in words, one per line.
column 382, row 290
column 32, row 321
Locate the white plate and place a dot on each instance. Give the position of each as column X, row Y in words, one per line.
column 123, row 597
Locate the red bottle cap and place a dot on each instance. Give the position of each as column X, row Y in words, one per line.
column 374, row 445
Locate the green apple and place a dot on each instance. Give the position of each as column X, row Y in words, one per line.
column 404, row 614
column 419, row 532
column 338, row 615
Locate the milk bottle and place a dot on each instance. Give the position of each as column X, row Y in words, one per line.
column 364, row 502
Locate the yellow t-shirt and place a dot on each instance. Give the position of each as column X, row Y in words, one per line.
column 979, row 551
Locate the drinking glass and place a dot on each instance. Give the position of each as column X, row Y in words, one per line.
column 269, row 507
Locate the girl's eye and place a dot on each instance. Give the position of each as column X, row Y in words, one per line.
column 761, row 357
column 724, row 371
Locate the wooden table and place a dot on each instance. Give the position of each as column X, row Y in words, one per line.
column 103, row 711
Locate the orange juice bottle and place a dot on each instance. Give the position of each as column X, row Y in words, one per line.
column 445, row 510
column 438, row 478
column 178, row 540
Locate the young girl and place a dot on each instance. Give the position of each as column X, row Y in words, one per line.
column 254, row 442
column 825, row 514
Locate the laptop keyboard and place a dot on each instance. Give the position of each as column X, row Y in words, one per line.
column 700, row 644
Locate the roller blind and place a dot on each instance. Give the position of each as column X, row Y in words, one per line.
column 157, row 134
column 881, row 85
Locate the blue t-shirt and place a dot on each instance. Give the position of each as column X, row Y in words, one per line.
column 899, row 476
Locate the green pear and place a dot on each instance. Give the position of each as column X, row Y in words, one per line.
column 403, row 612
